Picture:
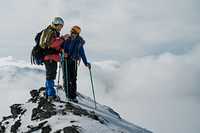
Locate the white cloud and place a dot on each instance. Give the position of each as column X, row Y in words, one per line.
column 158, row 92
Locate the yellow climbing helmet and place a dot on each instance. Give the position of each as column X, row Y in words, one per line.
column 76, row 29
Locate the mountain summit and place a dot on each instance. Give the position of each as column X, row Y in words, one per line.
column 39, row 115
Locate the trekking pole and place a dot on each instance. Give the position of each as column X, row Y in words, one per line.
column 65, row 75
column 92, row 88
column 59, row 73
column 57, row 86
column 66, row 80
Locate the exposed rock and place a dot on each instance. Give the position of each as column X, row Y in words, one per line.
column 46, row 129
column 2, row 129
column 15, row 127
column 113, row 112
column 76, row 110
column 34, row 95
column 16, row 109
column 35, row 128
column 44, row 110
column 42, row 91
column 7, row 117
column 72, row 129
column 73, row 121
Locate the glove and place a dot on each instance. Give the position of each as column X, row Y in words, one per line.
column 66, row 36
column 88, row 65
column 66, row 55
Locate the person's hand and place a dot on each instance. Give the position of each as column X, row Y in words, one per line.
column 65, row 55
column 79, row 62
column 88, row 65
column 66, row 36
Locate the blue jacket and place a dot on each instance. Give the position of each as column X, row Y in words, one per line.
column 74, row 48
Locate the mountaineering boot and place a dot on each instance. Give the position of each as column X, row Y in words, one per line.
column 53, row 98
column 75, row 100
column 50, row 98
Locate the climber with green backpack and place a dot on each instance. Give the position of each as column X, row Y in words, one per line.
column 47, row 51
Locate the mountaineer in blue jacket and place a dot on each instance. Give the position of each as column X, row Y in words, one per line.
column 74, row 52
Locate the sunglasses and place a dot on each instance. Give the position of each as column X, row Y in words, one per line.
column 74, row 32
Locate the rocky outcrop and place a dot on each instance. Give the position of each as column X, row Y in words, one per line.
column 44, row 111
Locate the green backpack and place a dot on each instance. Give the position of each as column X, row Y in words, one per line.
column 46, row 36
column 42, row 47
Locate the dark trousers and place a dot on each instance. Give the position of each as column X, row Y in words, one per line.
column 51, row 68
column 72, row 78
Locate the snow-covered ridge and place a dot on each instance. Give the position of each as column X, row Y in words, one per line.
column 39, row 115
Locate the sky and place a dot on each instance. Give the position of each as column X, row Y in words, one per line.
column 144, row 55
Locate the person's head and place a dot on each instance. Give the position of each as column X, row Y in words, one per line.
column 75, row 31
column 58, row 23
